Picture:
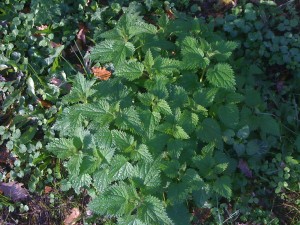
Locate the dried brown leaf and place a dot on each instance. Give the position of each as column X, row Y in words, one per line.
column 101, row 73
column 72, row 217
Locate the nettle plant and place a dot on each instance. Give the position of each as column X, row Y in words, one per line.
column 148, row 143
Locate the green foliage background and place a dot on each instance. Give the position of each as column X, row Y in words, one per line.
column 200, row 113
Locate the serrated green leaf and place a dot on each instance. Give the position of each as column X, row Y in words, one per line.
column 179, row 192
column 165, row 66
column 73, row 165
column 131, row 220
column 193, row 56
column 103, row 137
column 221, row 75
column 223, row 186
column 68, row 121
column 188, row 121
column 81, row 90
column 220, row 168
column 171, row 168
column 152, row 211
column 122, row 140
column 142, row 153
column 229, row 115
column 106, row 153
column 129, row 70
column 80, row 181
column 210, row 131
column 179, row 214
column 146, row 98
column 223, row 49
column 147, row 174
column 150, row 122
column 128, row 119
column 116, row 201
column 101, row 180
column 120, row 168
column 179, row 133
column 163, row 107
column 62, row 147
column 205, row 96
column 148, row 61
column 114, row 51
column 269, row 125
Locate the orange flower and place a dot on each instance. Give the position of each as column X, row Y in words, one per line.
column 101, row 73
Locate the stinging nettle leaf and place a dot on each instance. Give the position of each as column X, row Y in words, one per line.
column 152, row 211
column 129, row 70
column 62, row 147
column 221, row 75
column 163, row 107
column 229, row 115
column 112, row 51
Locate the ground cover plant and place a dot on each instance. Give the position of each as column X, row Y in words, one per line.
column 149, row 112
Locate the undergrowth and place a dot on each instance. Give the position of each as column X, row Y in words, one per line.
column 149, row 112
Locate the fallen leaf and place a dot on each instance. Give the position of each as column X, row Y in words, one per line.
column 101, row 73
column 55, row 45
column 14, row 190
column 73, row 217
column 46, row 104
column 47, row 189
column 170, row 14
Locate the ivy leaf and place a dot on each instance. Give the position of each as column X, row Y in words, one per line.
column 114, row 51
column 129, row 70
column 223, row 186
column 221, row 75
column 152, row 211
